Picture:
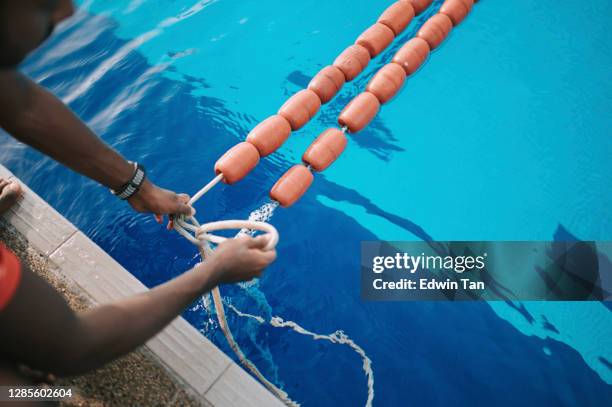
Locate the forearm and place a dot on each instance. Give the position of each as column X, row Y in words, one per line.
column 116, row 329
column 37, row 118
column 39, row 328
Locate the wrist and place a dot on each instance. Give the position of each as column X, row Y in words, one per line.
column 210, row 274
column 215, row 269
column 144, row 190
column 116, row 170
column 133, row 185
column 140, row 199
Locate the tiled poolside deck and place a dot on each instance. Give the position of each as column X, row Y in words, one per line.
column 188, row 357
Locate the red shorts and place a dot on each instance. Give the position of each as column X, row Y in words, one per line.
column 10, row 275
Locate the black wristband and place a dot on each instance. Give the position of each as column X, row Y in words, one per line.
column 132, row 186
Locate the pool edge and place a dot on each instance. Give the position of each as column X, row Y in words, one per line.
column 185, row 354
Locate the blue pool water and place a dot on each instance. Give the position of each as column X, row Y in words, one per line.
column 504, row 134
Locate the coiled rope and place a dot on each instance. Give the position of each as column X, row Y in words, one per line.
column 202, row 236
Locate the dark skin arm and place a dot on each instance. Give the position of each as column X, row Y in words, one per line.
column 40, row 330
column 36, row 117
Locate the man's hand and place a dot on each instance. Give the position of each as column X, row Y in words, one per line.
column 240, row 259
column 151, row 198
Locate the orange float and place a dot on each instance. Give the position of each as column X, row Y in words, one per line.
column 376, row 38
column 359, row 112
column 237, row 162
column 270, row 134
column 352, row 61
column 327, row 83
column 397, row 16
column 420, row 5
column 325, row 149
column 456, row 10
column 412, row 55
column 300, row 108
column 435, row 30
column 387, row 82
column 292, row 185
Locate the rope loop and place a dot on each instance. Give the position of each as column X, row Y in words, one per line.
column 203, row 233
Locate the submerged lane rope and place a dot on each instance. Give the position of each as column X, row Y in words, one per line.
column 338, row 337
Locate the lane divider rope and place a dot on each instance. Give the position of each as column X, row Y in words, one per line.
column 271, row 133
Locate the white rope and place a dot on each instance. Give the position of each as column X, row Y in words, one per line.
column 205, row 189
column 216, row 294
column 244, row 314
column 338, row 337
column 203, row 232
column 202, row 236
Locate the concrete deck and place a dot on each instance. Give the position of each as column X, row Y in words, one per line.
column 190, row 358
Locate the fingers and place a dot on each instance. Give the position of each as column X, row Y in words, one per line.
column 175, row 204
column 261, row 261
column 263, row 258
column 180, row 207
column 241, row 259
column 268, row 256
column 183, row 207
column 151, row 198
column 259, row 242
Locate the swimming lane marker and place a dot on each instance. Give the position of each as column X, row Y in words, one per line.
column 271, row 133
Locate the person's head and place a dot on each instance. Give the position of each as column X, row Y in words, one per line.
column 25, row 24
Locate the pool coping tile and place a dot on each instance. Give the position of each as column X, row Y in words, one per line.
column 225, row 392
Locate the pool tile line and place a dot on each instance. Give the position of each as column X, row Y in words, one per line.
column 217, row 379
column 188, row 357
column 57, row 248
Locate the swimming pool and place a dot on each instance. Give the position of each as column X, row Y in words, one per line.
column 504, row 134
